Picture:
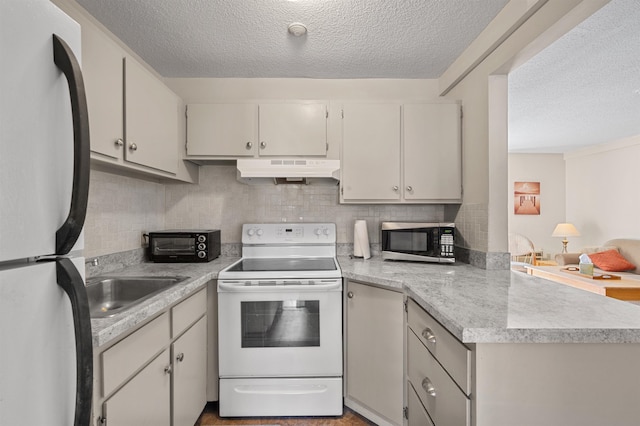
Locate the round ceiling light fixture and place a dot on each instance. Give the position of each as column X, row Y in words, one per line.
column 297, row 29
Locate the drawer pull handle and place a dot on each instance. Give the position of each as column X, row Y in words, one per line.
column 350, row 295
column 168, row 369
column 427, row 333
column 428, row 387
column 249, row 145
column 180, row 357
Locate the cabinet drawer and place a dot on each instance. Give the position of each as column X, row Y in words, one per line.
column 187, row 312
column 449, row 351
column 131, row 353
column 417, row 414
column 443, row 399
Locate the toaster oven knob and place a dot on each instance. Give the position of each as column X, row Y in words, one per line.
column 202, row 254
column 201, row 246
column 202, row 238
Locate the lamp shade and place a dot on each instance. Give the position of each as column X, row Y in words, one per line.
column 565, row 230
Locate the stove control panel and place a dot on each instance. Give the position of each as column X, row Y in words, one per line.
column 287, row 233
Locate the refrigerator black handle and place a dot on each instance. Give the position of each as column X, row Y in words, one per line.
column 72, row 283
column 70, row 230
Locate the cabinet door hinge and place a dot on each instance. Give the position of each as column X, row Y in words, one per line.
column 461, row 113
column 342, row 190
column 342, row 113
column 326, row 113
column 327, row 145
column 405, row 412
column 406, row 305
column 186, row 112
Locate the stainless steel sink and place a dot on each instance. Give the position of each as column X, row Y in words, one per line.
column 111, row 295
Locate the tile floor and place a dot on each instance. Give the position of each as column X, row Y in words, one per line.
column 210, row 417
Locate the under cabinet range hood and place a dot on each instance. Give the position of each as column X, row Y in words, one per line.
column 288, row 171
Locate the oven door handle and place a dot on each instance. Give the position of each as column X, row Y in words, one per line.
column 241, row 288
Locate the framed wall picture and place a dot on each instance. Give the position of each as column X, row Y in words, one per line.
column 526, row 198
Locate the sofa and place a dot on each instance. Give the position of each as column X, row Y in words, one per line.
column 628, row 248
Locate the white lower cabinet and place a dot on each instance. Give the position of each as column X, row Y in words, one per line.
column 438, row 370
column 145, row 399
column 189, row 354
column 374, row 352
column 156, row 375
column 416, row 413
column 442, row 398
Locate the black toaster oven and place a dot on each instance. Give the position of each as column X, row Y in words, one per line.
column 184, row 245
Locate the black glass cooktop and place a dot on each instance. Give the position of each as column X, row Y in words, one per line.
column 284, row 264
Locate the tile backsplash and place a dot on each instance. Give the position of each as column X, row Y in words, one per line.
column 121, row 209
column 219, row 201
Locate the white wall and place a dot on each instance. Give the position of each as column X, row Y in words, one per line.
column 549, row 170
column 602, row 191
column 513, row 37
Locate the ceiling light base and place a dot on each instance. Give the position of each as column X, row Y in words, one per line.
column 297, row 29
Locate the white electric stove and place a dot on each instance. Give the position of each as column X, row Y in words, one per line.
column 280, row 323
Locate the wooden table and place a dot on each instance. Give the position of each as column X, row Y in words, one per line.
column 623, row 289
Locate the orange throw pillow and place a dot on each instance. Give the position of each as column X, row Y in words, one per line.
column 612, row 261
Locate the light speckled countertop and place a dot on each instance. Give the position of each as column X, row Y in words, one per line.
column 475, row 305
column 106, row 329
column 480, row 306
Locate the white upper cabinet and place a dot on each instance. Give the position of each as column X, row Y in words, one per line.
column 136, row 123
column 226, row 130
column 370, row 153
column 401, row 153
column 102, row 63
column 151, row 120
column 432, row 152
column 234, row 130
column 293, row 129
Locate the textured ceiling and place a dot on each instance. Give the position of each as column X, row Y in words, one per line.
column 582, row 90
column 345, row 39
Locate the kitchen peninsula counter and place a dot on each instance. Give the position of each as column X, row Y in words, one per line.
column 481, row 306
column 475, row 305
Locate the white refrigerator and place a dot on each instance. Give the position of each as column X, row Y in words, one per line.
column 46, row 358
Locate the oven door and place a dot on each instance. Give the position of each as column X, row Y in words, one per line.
column 283, row 330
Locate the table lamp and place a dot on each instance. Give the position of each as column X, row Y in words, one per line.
column 565, row 230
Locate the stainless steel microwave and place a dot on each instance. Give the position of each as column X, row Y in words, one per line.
column 418, row 241
column 184, row 245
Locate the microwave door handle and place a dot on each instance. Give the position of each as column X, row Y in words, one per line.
column 70, row 280
column 68, row 233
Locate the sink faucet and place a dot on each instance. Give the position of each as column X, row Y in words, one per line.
column 92, row 262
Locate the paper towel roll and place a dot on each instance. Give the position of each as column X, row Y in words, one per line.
column 361, row 240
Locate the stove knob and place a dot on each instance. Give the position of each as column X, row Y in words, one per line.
column 259, row 232
column 250, row 232
column 202, row 254
column 317, row 231
column 325, row 231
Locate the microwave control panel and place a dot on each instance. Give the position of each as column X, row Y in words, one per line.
column 446, row 243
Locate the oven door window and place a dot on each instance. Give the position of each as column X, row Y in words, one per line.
column 173, row 246
column 419, row 241
column 285, row 323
